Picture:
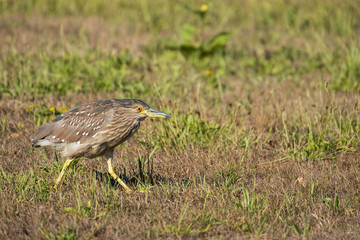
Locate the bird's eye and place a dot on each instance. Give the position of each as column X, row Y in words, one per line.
column 139, row 109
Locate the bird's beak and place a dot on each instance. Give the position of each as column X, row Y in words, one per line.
column 155, row 113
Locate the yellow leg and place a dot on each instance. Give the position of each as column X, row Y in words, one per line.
column 109, row 157
column 66, row 165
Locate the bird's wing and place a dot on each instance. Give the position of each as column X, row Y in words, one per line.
column 78, row 124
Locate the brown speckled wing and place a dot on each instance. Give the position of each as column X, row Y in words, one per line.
column 78, row 124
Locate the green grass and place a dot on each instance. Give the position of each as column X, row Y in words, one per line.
column 265, row 140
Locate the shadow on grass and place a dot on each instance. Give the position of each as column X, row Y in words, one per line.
column 139, row 179
column 157, row 179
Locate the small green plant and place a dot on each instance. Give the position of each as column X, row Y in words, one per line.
column 228, row 178
column 3, row 126
column 254, row 208
column 66, row 233
column 296, row 229
column 335, row 205
column 88, row 210
column 193, row 41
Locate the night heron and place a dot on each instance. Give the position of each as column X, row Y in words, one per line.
column 94, row 129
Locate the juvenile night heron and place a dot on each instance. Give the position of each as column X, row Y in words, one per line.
column 94, row 129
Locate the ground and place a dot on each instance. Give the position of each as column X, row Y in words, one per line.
column 266, row 100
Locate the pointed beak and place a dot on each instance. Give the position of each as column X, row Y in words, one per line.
column 155, row 113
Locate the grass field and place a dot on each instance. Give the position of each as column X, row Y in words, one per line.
column 266, row 100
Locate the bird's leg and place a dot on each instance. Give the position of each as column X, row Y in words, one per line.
column 109, row 157
column 66, row 165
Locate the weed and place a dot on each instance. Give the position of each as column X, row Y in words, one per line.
column 193, row 42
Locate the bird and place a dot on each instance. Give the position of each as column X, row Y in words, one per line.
column 94, row 129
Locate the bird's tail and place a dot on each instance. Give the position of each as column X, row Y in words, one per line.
column 41, row 143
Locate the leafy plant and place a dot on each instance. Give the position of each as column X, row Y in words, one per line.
column 192, row 37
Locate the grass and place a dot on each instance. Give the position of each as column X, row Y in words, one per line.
column 265, row 96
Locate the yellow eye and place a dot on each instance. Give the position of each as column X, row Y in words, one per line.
column 139, row 109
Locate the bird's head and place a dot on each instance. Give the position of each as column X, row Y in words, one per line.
column 141, row 110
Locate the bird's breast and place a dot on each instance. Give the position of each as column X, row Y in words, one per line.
column 110, row 138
